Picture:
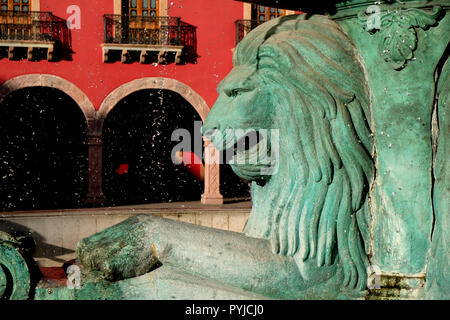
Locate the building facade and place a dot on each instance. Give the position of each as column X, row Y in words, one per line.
column 93, row 56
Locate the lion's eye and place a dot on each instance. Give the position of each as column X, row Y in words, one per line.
column 235, row 92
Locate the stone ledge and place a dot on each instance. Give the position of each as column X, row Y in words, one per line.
column 57, row 232
column 143, row 49
column 31, row 45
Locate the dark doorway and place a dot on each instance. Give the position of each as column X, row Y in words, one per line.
column 43, row 151
column 137, row 165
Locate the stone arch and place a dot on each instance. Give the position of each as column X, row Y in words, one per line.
column 51, row 81
column 80, row 98
column 63, row 87
column 211, row 193
column 126, row 89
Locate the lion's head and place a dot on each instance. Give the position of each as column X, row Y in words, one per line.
column 303, row 77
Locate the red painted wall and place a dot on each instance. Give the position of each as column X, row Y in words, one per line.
column 214, row 20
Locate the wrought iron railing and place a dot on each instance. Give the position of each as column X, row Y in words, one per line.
column 34, row 26
column 243, row 27
column 126, row 29
column 170, row 31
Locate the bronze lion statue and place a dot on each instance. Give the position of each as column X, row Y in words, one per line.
column 303, row 77
column 307, row 235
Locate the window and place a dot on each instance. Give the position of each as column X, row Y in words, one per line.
column 15, row 5
column 263, row 13
column 143, row 8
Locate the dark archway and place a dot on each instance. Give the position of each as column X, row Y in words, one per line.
column 137, row 164
column 43, row 150
column 231, row 185
column 137, row 146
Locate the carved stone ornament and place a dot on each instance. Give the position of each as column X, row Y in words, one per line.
column 397, row 29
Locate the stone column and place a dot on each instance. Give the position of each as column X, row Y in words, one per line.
column 212, row 194
column 95, row 194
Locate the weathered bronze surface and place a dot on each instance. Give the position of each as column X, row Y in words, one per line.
column 358, row 205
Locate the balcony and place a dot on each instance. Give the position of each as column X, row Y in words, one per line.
column 32, row 33
column 243, row 27
column 149, row 39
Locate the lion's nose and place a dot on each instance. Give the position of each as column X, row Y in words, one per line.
column 209, row 128
column 211, row 131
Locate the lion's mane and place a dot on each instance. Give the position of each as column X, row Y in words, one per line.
column 315, row 207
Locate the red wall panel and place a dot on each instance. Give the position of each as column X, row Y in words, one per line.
column 214, row 20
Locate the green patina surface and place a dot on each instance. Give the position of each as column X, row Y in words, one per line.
column 359, row 177
column 438, row 279
column 15, row 275
column 403, row 102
